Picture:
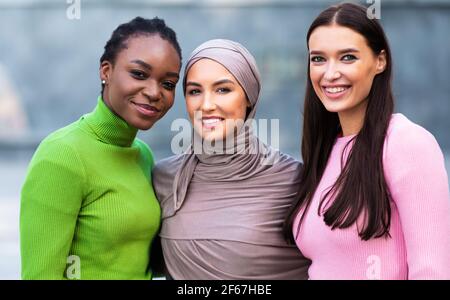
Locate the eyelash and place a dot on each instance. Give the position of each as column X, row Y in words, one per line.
column 352, row 57
column 194, row 92
column 170, row 86
column 139, row 75
column 314, row 59
column 223, row 90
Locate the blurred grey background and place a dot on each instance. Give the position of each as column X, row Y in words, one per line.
column 49, row 61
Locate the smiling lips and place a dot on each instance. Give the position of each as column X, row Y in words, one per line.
column 146, row 109
column 211, row 122
column 335, row 91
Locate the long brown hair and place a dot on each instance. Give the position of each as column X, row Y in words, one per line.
column 361, row 188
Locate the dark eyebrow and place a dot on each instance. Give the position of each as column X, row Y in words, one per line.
column 193, row 83
column 346, row 50
column 142, row 64
column 219, row 82
column 173, row 74
column 149, row 67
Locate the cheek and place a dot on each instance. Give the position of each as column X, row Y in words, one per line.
column 124, row 88
column 362, row 81
column 242, row 111
column 235, row 106
column 170, row 99
column 124, row 82
column 315, row 75
column 191, row 108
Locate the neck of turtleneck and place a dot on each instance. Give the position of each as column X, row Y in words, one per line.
column 110, row 128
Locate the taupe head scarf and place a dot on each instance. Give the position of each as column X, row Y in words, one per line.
column 237, row 60
column 242, row 65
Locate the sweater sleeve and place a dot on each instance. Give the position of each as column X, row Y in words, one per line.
column 417, row 179
column 51, row 198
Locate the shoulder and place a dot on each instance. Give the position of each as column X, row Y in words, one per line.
column 163, row 175
column 278, row 159
column 289, row 161
column 146, row 152
column 405, row 138
column 58, row 152
column 143, row 146
column 410, row 151
column 60, row 144
column 167, row 167
column 291, row 166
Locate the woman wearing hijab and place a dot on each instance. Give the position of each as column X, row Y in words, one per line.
column 223, row 207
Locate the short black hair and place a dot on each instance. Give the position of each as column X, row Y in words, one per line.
column 138, row 26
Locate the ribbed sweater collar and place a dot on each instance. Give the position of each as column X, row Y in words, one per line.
column 110, row 128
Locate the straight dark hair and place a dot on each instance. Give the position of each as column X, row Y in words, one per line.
column 361, row 188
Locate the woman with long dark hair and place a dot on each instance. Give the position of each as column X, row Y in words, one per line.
column 88, row 209
column 373, row 200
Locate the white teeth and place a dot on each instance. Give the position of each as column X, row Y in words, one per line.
column 210, row 121
column 335, row 89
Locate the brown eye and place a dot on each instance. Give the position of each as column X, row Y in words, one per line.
column 223, row 90
column 138, row 74
column 170, row 86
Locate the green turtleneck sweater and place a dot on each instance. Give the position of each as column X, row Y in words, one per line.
column 88, row 209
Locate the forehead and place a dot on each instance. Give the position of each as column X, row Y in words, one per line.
column 334, row 37
column 207, row 69
column 149, row 48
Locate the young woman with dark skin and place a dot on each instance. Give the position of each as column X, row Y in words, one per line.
column 88, row 209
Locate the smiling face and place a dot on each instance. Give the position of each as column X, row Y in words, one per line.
column 140, row 84
column 342, row 68
column 212, row 90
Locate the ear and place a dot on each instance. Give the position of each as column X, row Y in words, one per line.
column 381, row 62
column 105, row 71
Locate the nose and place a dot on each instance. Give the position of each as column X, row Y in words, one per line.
column 332, row 72
column 208, row 103
column 152, row 91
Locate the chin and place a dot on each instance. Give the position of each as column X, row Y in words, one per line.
column 334, row 106
column 333, row 109
column 147, row 127
column 212, row 136
column 142, row 125
column 209, row 137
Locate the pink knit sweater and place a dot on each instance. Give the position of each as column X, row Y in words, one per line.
column 419, row 247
